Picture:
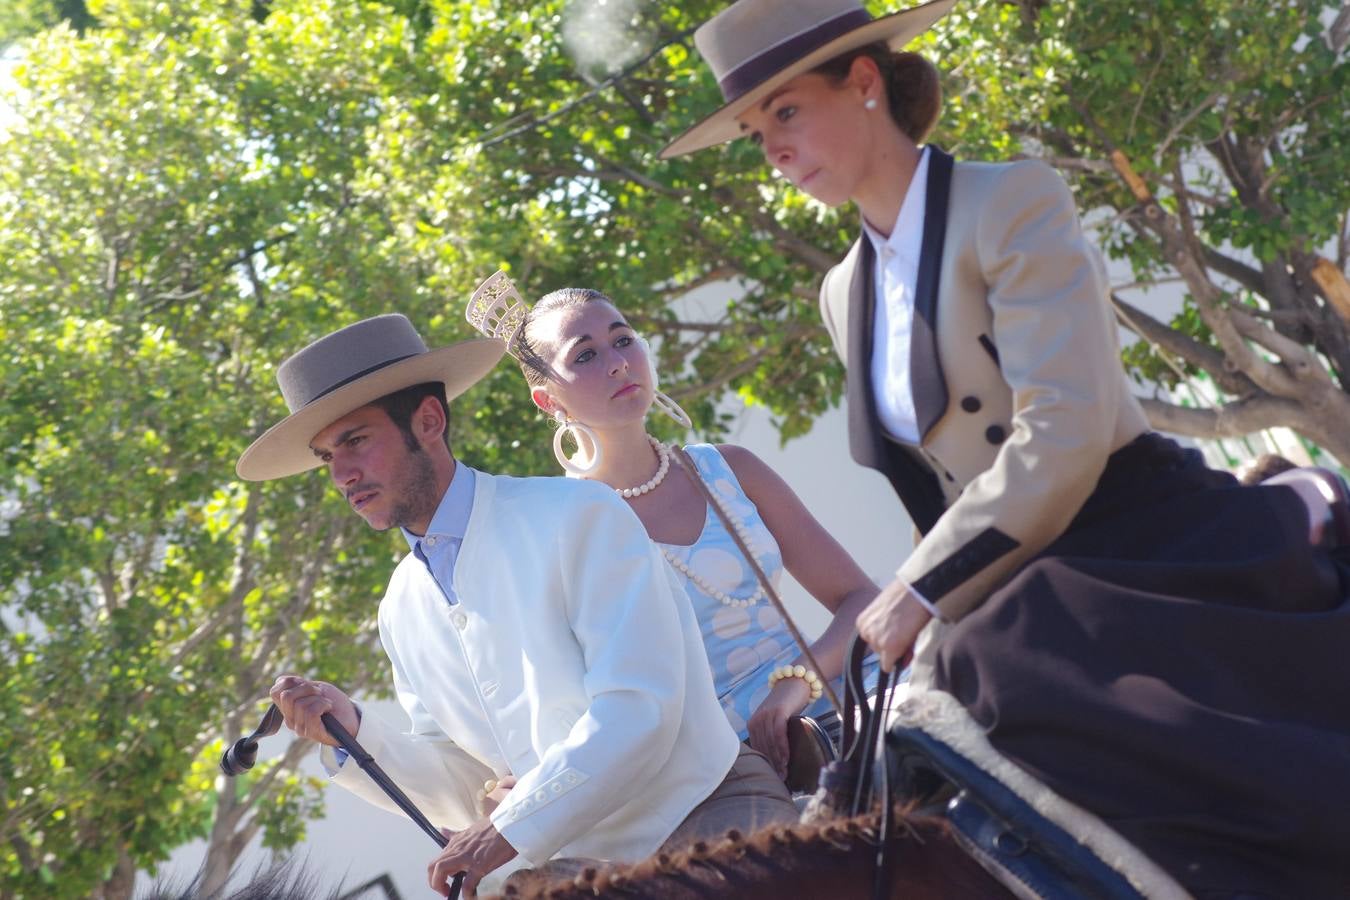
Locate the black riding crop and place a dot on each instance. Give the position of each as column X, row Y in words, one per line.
column 243, row 753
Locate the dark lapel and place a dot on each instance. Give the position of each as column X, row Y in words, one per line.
column 913, row 479
column 925, row 365
column 864, row 435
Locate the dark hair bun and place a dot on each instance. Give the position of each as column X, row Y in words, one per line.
column 912, row 87
column 915, row 94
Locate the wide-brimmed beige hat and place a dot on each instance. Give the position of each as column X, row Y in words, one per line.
column 754, row 46
column 343, row 371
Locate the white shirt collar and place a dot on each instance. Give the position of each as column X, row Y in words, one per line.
column 906, row 237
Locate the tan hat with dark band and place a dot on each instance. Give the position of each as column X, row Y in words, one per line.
column 344, row 371
column 755, row 46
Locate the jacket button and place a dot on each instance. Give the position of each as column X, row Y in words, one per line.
column 461, row 621
column 970, row 404
column 995, row 434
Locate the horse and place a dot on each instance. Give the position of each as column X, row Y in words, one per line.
column 834, row 859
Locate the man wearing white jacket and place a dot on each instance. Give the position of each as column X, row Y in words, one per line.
column 536, row 635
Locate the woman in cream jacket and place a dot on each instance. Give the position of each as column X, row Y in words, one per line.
column 1156, row 643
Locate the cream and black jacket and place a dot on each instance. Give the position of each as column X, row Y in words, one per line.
column 1018, row 388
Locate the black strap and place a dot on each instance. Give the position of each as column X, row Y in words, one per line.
column 865, row 748
column 862, row 740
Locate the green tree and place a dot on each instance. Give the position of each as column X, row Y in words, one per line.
column 1208, row 141
column 1204, row 140
column 196, row 189
column 186, row 199
column 21, row 18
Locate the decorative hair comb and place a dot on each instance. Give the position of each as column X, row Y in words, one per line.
column 497, row 310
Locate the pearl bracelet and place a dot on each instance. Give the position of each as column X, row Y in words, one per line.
column 811, row 678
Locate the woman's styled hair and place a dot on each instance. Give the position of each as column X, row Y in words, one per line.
column 532, row 363
column 913, row 91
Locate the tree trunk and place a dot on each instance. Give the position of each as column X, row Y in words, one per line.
column 121, row 882
column 222, row 849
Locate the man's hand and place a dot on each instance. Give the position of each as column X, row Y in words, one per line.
column 768, row 724
column 890, row 625
column 302, row 702
column 476, row 851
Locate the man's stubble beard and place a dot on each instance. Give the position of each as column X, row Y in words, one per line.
column 416, row 491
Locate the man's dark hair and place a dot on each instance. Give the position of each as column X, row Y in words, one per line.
column 401, row 405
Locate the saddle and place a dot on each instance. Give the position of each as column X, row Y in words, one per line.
column 1036, row 843
column 933, row 757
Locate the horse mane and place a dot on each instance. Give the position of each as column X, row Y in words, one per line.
column 831, row 859
column 287, row 880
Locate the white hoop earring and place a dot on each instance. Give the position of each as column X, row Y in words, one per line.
column 578, row 430
column 651, row 361
column 660, row 399
column 667, row 405
column 871, row 103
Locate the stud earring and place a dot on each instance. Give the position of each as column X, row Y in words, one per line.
column 871, row 103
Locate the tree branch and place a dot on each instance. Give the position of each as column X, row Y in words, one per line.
column 724, row 272
column 295, row 751
column 1190, row 350
column 1238, row 271
column 1230, row 420
column 1069, row 163
column 1175, row 131
column 820, row 261
column 492, row 140
column 304, row 591
column 667, row 325
column 1294, row 356
column 792, row 332
column 1331, row 280
column 1338, row 35
column 1183, row 249
column 636, row 177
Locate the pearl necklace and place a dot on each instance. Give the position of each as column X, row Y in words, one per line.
column 743, row 531
column 662, row 454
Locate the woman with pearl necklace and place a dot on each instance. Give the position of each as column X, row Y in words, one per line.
column 588, row 369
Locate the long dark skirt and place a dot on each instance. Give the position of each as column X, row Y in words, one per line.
column 1179, row 663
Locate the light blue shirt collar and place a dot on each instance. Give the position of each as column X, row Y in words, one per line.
column 452, row 515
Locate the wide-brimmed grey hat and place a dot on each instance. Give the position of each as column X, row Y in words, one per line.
column 343, row 371
column 755, row 46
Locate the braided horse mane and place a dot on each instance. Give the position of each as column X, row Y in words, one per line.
column 834, row 859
